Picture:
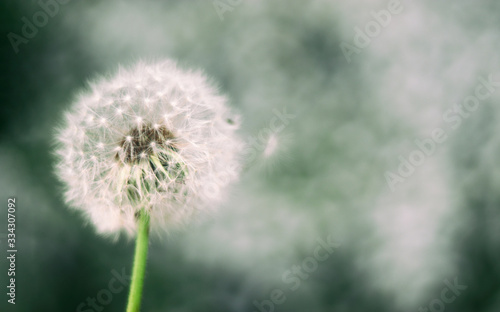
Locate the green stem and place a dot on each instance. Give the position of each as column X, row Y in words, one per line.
column 141, row 253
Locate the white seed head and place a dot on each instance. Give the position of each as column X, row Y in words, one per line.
column 122, row 149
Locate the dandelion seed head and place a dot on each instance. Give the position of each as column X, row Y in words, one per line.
column 125, row 150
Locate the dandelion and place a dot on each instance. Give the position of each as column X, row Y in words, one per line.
column 144, row 150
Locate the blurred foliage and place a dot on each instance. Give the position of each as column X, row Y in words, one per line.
column 352, row 122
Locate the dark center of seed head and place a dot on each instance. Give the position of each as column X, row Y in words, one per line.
column 139, row 143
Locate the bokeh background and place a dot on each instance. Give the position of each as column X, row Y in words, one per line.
column 323, row 175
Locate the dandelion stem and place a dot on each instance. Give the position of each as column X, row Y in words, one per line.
column 141, row 253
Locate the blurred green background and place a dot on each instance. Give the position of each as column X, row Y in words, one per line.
column 353, row 120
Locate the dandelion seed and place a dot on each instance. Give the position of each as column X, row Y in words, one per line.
column 271, row 146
